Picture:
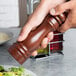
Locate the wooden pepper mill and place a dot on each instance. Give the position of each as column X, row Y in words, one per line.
column 21, row 51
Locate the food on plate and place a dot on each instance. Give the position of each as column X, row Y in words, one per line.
column 1, row 68
column 3, row 37
column 13, row 71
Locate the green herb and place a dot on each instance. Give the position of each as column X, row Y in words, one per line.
column 18, row 71
column 1, row 68
column 9, row 74
column 13, row 71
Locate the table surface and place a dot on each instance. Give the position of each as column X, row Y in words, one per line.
column 54, row 65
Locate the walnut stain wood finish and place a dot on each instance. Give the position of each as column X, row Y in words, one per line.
column 21, row 51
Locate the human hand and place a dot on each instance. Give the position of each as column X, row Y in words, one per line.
column 36, row 19
column 71, row 19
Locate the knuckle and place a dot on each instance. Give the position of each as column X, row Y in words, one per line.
column 62, row 30
column 59, row 8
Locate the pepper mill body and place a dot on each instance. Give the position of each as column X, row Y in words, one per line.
column 21, row 51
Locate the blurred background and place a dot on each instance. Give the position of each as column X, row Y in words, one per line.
column 14, row 13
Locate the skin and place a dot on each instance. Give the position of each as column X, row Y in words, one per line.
column 36, row 18
column 71, row 19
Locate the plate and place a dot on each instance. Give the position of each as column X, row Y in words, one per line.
column 26, row 71
column 5, row 36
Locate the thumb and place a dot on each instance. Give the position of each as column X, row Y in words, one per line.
column 61, row 8
column 24, row 33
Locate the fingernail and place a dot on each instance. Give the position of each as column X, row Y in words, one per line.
column 45, row 45
column 52, row 11
column 20, row 38
column 47, row 42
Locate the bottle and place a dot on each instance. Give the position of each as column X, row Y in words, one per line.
column 21, row 51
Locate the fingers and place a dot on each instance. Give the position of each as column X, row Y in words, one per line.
column 65, row 26
column 61, row 8
column 34, row 53
column 50, row 36
column 44, row 42
column 35, row 19
column 24, row 33
column 47, row 39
